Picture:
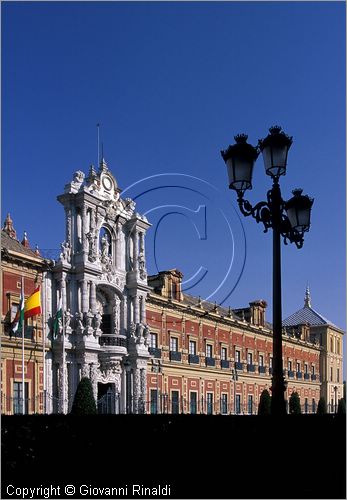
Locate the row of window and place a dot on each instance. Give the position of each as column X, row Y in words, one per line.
column 202, row 405
column 338, row 345
column 224, row 354
column 337, row 375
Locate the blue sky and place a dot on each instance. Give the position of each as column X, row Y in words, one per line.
column 171, row 84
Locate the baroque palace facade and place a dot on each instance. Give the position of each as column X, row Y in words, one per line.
column 145, row 345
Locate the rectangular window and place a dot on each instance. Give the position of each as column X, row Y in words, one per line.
column 209, row 400
column 261, row 360
column 223, row 353
column 289, row 366
column 306, row 405
column 331, row 374
column 250, row 358
column 175, row 402
column 338, row 375
column 312, row 368
column 306, row 368
column 173, row 344
column 313, row 406
column 237, row 356
column 331, row 345
column 208, row 350
column 193, row 403
column 18, row 397
column 154, row 401
column 270, row 362
column 224, row 404
column 192, row 347
column 238, row 403
column 153, row 340
column 250, row 404
column 298, row 366
column 338, row 346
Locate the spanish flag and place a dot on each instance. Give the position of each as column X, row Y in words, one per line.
column 32, row 305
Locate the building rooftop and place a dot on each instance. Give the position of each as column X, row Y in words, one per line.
column 307, row 315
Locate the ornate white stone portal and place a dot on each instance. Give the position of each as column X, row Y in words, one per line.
column 102, row 280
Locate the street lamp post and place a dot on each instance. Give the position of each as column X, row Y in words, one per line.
column 291, row 219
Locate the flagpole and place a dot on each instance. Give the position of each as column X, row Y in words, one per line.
column 23, row 376
column 63, row 321
column 44, row 340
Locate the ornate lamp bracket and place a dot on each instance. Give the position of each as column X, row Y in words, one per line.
column 261, row 212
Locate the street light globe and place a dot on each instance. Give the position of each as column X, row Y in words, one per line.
column 298, row 211
column 275, row 149
column 239, row 159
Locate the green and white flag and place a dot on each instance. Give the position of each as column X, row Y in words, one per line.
column 18, row 322
column 58, row 319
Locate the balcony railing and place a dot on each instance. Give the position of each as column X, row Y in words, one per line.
column 238, row 365
column 175, row 356
column 262, row 369
column 193, row 359
column 112, row 341
column 250, row 368
column 290, row 374
column 298, row 374
column 155, row 352
column 210, row 361
column 224, row 363
column 306, row 376
column 313, row 377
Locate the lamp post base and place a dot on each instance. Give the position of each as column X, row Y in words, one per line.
column 278, row 402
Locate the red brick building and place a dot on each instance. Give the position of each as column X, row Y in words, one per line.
column 19, row 262
column 208, row 359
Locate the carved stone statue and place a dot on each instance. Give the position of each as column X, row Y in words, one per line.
column 132, row 329
column 79, row 322
column 65, row 254
column 68, row 319
column 97, row 320
column 75, row 184
column 105, row 248
column 142, row 266
column 116, row 315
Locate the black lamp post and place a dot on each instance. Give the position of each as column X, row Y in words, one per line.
column 290, row 219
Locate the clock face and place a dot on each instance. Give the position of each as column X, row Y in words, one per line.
column 107, row 183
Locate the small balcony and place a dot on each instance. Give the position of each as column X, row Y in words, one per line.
column 155, row 352
column 193, row 359
column 210, row 361
column 175, row 356
column 112, row 341
column 224, row 363
column 298, row 374
column 238, row 365
column 250, row 368
column 290, row 374
column 313, row 377
column 306, row 376
column 262, row 369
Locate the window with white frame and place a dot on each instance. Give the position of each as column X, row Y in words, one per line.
column 237, row 356
column 298, row 366
column 306, row 368
column 270, row 362
column 261, row 360
column 223, row 353
column 312, row 369
column 153, row 340
column 224, row 404
column 192, row 347
column 209, row 351
column 250, row 358
column 290, row 366
column 173, row 344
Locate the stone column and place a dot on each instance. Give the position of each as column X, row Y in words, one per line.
column 136, row 249
column 136, row 390
column 84, row 296
column 143, row 309
column 93, row 297
column 94, row 379
column 136, row 309
column 143, row 383
column 142, row 242
column 68, row 226
column 83, row 229
column 123, row 392
column 118, row 246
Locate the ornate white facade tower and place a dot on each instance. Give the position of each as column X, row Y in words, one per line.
column 102, row 280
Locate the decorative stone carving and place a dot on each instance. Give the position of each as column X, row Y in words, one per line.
column 79, row 322
column 85, row 370
column 132, row 330
column 76, row 183
column 110, row 372
column 142, row 266
column 105, row 249
column 129, row 206
column 92, row 246
column 146, row 333
column 97, row 323
column 116, row 315
column 65, row 255
column 88, row 321
column 68, row 321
